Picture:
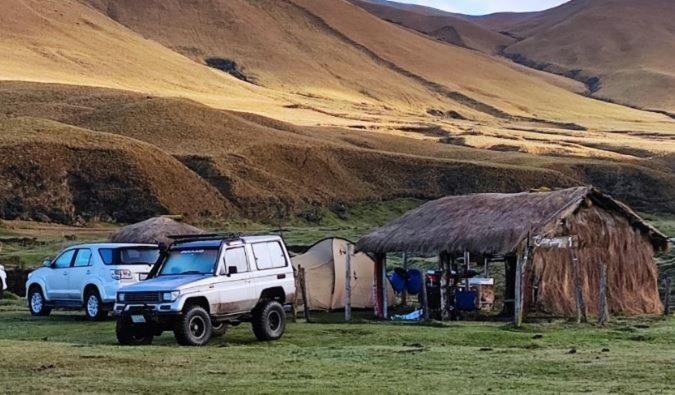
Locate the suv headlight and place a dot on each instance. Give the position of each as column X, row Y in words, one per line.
column 170, row 296
column 120, row 297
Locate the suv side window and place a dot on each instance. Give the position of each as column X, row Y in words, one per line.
column 236, row 257
column 64, row 260
column 269, row 255
column 82, row 258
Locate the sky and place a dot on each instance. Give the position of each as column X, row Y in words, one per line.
column 481, row 7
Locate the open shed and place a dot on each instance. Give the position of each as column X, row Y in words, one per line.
column 556, row 245
column 153, row 231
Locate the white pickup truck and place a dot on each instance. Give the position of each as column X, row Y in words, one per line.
column 88, row 276
column 204, row 283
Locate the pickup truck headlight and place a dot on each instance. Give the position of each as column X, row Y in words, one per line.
column 120, row 297
column 170, row 296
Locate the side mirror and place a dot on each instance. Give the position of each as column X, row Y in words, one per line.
column 47, row 263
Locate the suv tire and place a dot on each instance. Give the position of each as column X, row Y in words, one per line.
column 93, row 306
column 193, row 328
column 36, row 303
column 129, row 334
column 269, row 321
column 219, row 328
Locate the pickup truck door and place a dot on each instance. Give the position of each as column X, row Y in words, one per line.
column 236, row 290
column 56, row 283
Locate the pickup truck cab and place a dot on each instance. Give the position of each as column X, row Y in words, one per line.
column 88, row 276
column 204, row 283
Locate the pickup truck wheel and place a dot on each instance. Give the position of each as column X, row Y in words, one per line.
column 219, row 328
column 129, row 334
column 269, row 321
column 93, row 306
column 194, row 327
column 36, row 303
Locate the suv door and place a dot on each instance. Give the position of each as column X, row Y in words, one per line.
column 271, row 264
column 80, row 274
column 57, row 278
column 236, row 290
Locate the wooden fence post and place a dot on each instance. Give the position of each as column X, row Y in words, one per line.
column 425, row 299
column 666, row 297
column 603, row 315
column 348, row 283
column 303, row 287
column 404, row 294
column 578, row 292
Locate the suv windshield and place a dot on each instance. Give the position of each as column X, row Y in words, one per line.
column 129, row 255
column 197, row 261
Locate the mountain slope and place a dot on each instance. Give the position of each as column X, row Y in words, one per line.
column 624, row 50
column 442, row 26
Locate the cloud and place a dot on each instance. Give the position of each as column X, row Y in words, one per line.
column 479, row 7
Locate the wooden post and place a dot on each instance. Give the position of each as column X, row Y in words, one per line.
column 385, row 300
column 518, row 305
column 377, row 285
column 348, row 283
column 443, row 285
column 603, row 310
column 666, row 297
column 425, row 299
column 467, row 263
column 404, row 294
column 578, row 292
column 486, row 266
column 303, row 288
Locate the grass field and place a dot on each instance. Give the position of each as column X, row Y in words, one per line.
column 63, row 353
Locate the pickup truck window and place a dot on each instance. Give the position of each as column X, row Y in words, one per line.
column 194, row 261
column 129, row 256
column 269, row 255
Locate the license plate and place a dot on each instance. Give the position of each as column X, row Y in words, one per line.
column 138, row 319
column 142, row 276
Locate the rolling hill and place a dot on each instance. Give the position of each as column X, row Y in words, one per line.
column 239, row 108
column 624, row 50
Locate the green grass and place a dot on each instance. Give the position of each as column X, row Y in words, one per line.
column 63, row 353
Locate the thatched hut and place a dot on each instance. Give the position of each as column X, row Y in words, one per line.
column 153, row 231
column 561, row 240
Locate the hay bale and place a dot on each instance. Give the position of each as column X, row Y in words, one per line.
column 153, row 231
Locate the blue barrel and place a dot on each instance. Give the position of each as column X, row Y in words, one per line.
column 414, row 283
column 465, row 300
column 397, row 282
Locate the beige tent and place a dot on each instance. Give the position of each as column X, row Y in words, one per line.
column 325, row 264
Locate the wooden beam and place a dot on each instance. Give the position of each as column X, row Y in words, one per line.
column 348, row 282
column 443, row 285
column 486, row 266
column 666, row 297
column 467, row 263
column 385, row 300
column 518, row 303
column 425, row 299
column 578, row 292
column 404, row 294
column 377, row 285
column 603, row 310
column 303, row 288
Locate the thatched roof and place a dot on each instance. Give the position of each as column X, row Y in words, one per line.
column 491, row 223
column 153, row 231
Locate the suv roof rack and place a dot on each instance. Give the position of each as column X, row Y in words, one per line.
column 204, row 236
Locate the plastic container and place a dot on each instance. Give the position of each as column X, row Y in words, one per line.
column 414, row 283
column 397, row 282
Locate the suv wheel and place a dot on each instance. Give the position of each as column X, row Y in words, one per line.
column 219, row 328
column 194, row 327
column 269, row 321
column 129, row 334
column 93, row 306
column 36, row 302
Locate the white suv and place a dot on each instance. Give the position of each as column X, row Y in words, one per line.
column 88, row 276
column 3, row 281
column 204, row 283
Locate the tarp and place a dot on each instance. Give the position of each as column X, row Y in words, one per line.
column 325, row 265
